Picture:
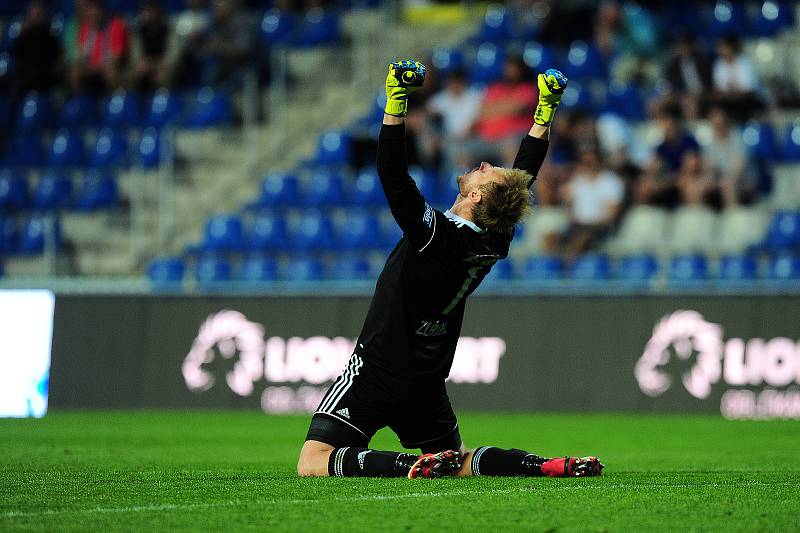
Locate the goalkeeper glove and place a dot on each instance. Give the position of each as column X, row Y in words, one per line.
column 404, row 78
column 551, row 87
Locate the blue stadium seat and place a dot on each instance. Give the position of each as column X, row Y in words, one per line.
column 278, row 190
column 277, row 27
column 447, row 59
column 14, row 26
column 79, row 112
column 324, row 189
column 772, row 16
column 223, row 232
column 687, row 268
column 333, row 148
column 784, row 230
column 348, row 267
column 487, row 65
column 8, row 235
column 427, row 183
column 314, row 232
column 738, row 268
column 784, row 267
column 625, row 100
column 268, row 232
column 67, row 150
column 760, row 140
column 543, row 268
column 6, row 109
column 537, row 56
column 164, row 109
column 149, row 149
column 584, row 61
column 257, row 269
column 35, row 232
column 577, row 98
column 591, row 267
column 211, row 269
column 166, row 272
column 791, row 143
column 638, row 268
column 360, row 231
column 502, row 270
column 367, row 190
column 727, row 18
column 208, row 108
column 122, row 110
column 302, row 269
column 318, row 27
column 24, row 150
column 54, row 191
column 497, row 24
column 14, row 193
column 110, row 149
column 35, row 114
column 6, row 71
column 98, row 191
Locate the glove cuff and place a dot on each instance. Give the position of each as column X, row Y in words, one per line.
column 544, row 114
column 398, row 108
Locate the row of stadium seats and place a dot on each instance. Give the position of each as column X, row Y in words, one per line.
column 28, row 235
column 108, row 149
column 645, row 229
column 123, row 110
column 56, row 190
column 688, row 229
column 763, row 18
column 592, row 267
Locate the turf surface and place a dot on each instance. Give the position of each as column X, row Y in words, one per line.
column 168, row 471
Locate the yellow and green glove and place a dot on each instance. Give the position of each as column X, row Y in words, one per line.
column 551, row 87
column 404, row 78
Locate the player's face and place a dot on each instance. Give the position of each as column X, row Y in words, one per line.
column 480, row 175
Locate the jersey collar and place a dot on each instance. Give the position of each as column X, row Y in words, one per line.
column 459, row 220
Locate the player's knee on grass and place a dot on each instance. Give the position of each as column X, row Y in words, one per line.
column 313, row 461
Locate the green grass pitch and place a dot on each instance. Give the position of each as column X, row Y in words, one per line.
column 218, row 471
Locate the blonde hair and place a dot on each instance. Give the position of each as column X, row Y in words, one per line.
column 504, row 201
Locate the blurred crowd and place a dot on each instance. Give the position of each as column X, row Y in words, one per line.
column 600, row 164
column 96, row 50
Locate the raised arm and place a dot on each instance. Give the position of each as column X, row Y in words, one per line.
column 414, row 216
column 533, row 148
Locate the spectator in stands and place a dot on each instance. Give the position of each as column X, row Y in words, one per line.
column 152, row 30
column 726, row 159
column 223, row 50
column 456, row 106
column 36, row 52
column 594, row 196
column 627, row 36
column 695, row 183
column 658, row 183
column 736, row 82
column 70, row 35
column 689, row 75
column 102, row 50
column 503, row 117
column 190, row 25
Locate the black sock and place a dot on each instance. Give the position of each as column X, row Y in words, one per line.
column 363, row 462
column 491, row 461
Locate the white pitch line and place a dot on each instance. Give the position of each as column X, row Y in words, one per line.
column 378, row 497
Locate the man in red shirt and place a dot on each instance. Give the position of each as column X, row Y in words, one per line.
column 502, row 118
column 102, row 50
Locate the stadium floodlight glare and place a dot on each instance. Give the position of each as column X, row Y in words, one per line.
column 26, row 328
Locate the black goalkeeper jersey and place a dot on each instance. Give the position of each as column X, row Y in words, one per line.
column 414, row 319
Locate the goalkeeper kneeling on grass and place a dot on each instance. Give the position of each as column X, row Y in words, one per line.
column 396, row 375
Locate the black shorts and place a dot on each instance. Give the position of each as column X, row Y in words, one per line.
column 359, row 403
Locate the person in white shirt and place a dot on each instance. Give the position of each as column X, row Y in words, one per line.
column 594, row 196
column 736, row 82
column 457, row 105
column 726, row 159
